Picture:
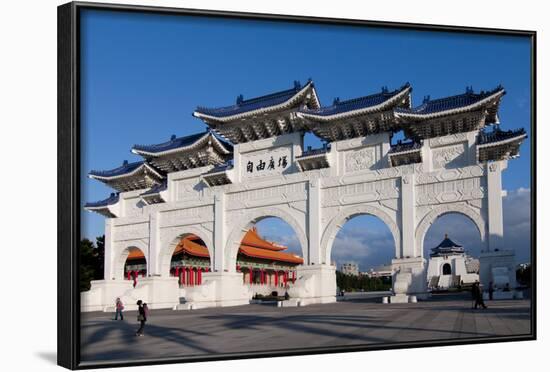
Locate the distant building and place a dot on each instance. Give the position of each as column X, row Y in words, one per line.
column 350, row 268
column 380, row 271
column 450, row 266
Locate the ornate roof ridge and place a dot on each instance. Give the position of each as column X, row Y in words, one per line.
column 431, row 106
column 110, row 200
column 125, row 168
column 499, row 135
column 357, row 102
column 240, row 106
column 179, row 143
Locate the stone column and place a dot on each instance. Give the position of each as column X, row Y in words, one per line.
column 494, row 205
column 108, row 264
column 408, row 218
column 153, row 260
column 218, row 263
column 314, row 224
column 496, row 264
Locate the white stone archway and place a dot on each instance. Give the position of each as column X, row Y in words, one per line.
column 348, row 213
column 172, row 239
column 472, row 214
column 248, row 220
column 122, row 256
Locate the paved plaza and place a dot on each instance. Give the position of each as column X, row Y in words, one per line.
column 266, row 328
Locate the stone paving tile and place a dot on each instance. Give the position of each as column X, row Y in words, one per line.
column 263, row 328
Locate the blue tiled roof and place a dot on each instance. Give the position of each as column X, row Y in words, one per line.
column 405, row 146
column 310, row 152
column 112, row 199
column 123, row 169
column 157, row 188
column 448, row 103
column 447, row 243
column 220, row 168
column 356, row 103
column 174, row 143
column 498, row 135
column 243, row 105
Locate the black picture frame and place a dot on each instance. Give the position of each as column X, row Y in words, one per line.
column 69, row 135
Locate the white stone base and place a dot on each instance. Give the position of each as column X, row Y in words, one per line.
column 400, row 299
column 219, row 290
column 410, row 278
column 495, row 261
column 315, row 284
column 157, row 292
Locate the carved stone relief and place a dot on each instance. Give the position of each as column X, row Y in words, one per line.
column 449, row 156
column 358, row 160
column 267, row 196
column 361, row 192
column 447, row 140
column 129, row 232
column 187, row 216
column 451, row 191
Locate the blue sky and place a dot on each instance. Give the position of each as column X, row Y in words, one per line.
column 144, row 74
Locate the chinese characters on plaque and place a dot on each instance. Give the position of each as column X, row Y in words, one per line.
column 270, row 164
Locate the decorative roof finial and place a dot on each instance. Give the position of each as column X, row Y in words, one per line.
column 470, row 89
column 240, row 99
column 172, row 137
column 297, row 84
column 125, row 162
column 336, row 101
column 446, row 236
column 385, row 89
column 426, row 99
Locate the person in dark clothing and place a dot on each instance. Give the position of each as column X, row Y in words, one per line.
column 142, row 318
column 477, row 296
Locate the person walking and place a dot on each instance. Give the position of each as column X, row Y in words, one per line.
column 478, row 296
column 119, row 306
column 141, row 318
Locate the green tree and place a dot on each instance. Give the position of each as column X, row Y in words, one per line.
column 87, row 263
column 100, row 257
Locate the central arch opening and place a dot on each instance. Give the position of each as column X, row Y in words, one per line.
column 452, row 246
column 268, row 256
column 362, row 252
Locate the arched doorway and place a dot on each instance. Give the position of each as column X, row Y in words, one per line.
column 268, row 256
column 362, row 251
column 135, row 264
column 190, row 259
column 249, row 220
column 453, row 243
